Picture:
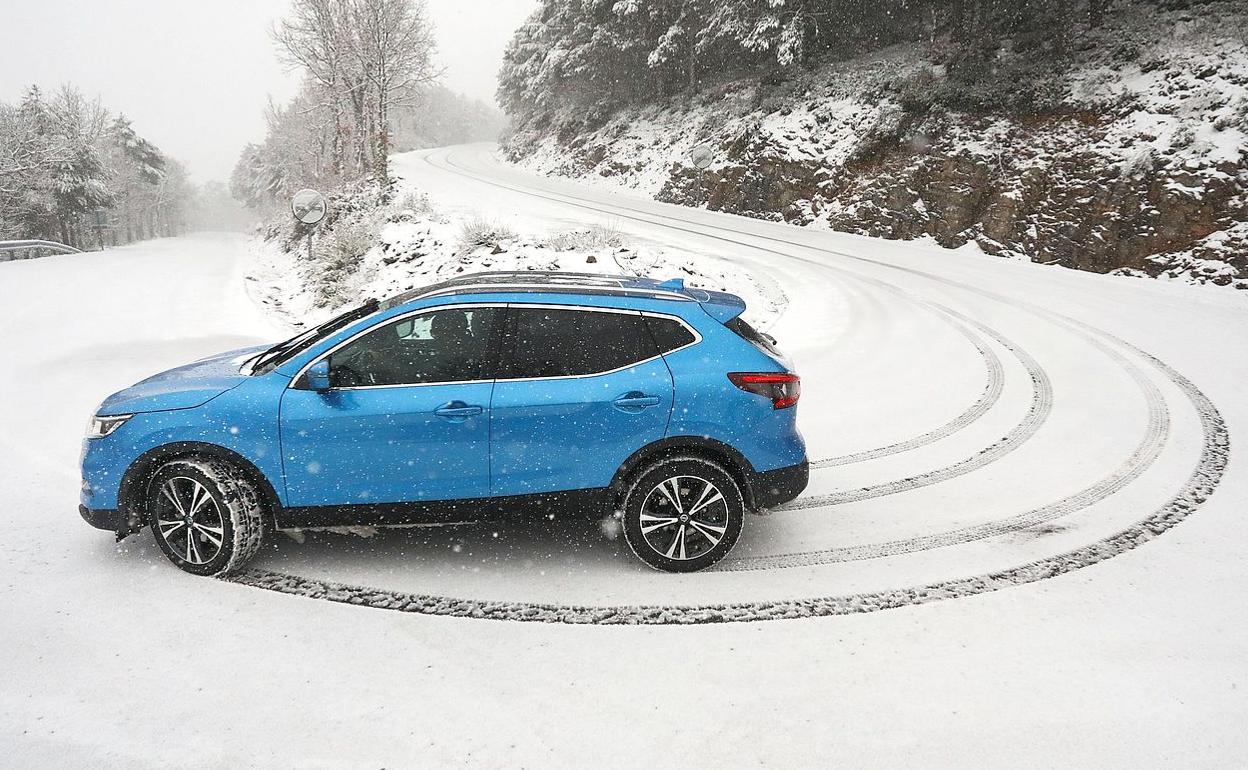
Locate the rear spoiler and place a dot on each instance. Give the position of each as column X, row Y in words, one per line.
column 720, row 305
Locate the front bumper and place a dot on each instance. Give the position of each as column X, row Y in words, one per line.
column 773, row 488
column 111, row 520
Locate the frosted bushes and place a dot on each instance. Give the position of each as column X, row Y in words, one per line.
column 478, row 232
column 335, row 275
column 597, row 237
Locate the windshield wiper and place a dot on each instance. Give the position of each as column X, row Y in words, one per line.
column 261, row 358
column 284, row 351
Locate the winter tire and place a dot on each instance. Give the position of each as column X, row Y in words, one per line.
column 682, row 514
column 205, row 515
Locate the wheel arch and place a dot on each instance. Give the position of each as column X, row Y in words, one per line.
column 735, row 463
column 130, row 496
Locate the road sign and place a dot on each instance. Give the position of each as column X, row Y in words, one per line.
column 702, row 155
column 308, row 206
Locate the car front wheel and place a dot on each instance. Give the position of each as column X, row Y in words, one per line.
column 682, row 514
column 205, row 515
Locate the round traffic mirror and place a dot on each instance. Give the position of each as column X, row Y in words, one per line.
column 701, row 156
column 308, row 206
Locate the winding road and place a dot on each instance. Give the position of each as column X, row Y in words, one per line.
column 1032, row 475
column 1036, row 471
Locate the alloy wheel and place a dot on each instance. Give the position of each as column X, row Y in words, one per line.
column 189, row 520
column 684, row 517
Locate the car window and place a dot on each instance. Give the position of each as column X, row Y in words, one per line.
column 752, row 335
column 548, row 342
column 669, row 333
column 449, row 345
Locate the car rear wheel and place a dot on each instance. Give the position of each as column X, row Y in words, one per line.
column 205, row 515
column 682, row 514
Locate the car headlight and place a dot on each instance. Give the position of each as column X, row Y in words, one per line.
column 100, row 427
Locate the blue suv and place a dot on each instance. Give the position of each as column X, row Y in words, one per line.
column 491, row 392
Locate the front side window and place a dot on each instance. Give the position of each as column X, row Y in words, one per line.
column 550, row 342
column 450, row 345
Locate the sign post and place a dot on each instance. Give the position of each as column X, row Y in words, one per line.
column 309, row 207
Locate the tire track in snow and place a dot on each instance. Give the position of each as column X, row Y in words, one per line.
column 1201, row 483
column 1156, row 433
column 987, row 399
column 1041, row 401
column 1037, row 413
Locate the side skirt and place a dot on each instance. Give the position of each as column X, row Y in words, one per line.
column 577, row 502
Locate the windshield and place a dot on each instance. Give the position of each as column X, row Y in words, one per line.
column 283, row 351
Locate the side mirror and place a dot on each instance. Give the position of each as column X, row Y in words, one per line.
column 318, row 376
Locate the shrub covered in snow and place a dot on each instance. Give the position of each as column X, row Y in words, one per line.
column 482, row 232
column 377, row 243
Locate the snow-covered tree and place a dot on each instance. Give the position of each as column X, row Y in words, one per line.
column 67, row 167
column 360, row 58
column 577, row 53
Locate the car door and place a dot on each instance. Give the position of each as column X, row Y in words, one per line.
column 406, row 418
column 579, row 390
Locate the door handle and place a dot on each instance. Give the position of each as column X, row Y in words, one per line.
column 635, row 401
column 458, row 410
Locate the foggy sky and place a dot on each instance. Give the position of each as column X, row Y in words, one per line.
column 194, row 76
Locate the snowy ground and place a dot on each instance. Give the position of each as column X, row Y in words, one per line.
column 997, row 439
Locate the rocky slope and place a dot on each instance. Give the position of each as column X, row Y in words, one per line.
column 1130, row 155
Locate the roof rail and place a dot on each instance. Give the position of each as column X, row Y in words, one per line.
column 549, row 282
column 551, row 288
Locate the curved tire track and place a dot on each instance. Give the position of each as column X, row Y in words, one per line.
column 1211, row 466
column 987, row 399
column 1142, row 457
column 1215, row 452
column 1202, row 481
column 1037, row 412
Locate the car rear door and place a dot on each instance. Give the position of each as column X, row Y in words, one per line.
column 579, row 390
column 406, row 418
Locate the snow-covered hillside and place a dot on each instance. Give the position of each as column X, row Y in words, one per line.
column 1132, row 158
column 381, row 243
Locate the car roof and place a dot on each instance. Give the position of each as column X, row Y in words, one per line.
column 543, row 282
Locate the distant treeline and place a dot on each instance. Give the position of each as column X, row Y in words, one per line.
column 73, row 172
column 610, row 51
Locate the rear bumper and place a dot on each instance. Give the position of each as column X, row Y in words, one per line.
column 109, row 519
column 773, row 488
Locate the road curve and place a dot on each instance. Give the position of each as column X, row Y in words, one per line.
column 1023, row 475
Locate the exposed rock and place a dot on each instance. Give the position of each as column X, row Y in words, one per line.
column 1141, row 168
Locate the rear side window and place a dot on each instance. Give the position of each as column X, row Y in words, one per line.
column 669, row 333
column 750, row 334
column 549, row 342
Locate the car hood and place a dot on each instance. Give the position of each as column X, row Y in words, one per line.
column 182, row 388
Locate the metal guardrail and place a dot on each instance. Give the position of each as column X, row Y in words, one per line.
column 13, row 250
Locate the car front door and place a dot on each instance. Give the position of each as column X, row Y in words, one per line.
column 579, row 390
column 406, row 418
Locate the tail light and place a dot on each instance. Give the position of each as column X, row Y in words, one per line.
column 783, row 388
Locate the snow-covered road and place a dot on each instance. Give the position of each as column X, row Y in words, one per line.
column 1029, row 465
